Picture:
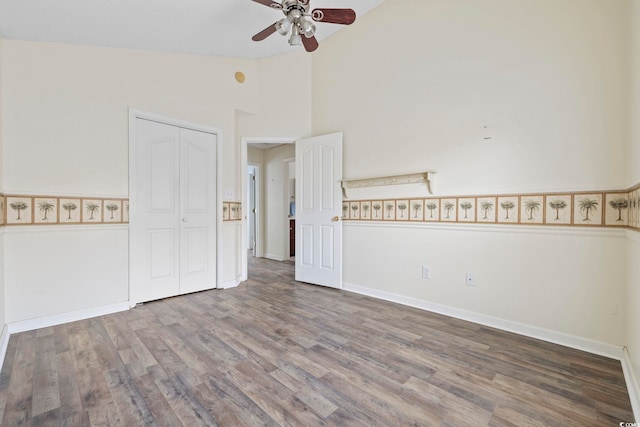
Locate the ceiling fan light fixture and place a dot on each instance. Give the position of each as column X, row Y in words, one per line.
column 295, row 39
column 283, row 26
column 307, row 27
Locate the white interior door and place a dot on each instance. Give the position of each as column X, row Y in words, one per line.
column 318, row 210
column 198, row 211
column 173, row 211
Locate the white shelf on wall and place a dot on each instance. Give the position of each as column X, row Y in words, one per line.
column 426, row 178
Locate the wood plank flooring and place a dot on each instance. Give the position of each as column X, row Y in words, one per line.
column 275, row 352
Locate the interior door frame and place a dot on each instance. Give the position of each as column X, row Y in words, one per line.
column 244, row 163
column 257, row 182
column 140, row 114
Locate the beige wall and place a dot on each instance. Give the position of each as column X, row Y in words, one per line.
column 413, row 85
column 255, row 155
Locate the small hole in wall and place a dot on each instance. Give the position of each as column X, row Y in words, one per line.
column 486, row 129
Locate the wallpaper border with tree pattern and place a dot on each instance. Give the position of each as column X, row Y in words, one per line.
column 18, row 210
column 231, row 211
column 616, row 208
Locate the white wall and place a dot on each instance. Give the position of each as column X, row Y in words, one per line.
column 284, row 97
column 2, row 295
column 46, row 275
column 67, row 126
column 65, row 132
column 634, row 93
column 632, row 296
column 1, row 119
column 426, row 75
column 521, row 274
column 412, row 85
column 276, row 207
column 3, row 298
column 632, row 299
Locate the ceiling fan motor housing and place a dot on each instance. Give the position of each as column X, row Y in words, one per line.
column 291, row 5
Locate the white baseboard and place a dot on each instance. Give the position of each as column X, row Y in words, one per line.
column 632, row 384
column 230, row 283
column 4, row 343
column 273, row 257
column 579, row 343
column 58, row 319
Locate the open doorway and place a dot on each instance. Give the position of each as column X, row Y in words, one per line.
column 269, row 194
column 316, row 164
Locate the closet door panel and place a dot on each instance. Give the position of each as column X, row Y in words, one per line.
column 198, row 210
column 173, row 214
column 154, row 216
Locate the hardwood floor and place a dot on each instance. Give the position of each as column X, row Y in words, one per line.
column 277, row 352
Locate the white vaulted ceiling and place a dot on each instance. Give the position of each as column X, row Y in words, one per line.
column 208, row 27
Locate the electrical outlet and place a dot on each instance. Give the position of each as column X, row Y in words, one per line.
column 426, row 272
column 470, row 279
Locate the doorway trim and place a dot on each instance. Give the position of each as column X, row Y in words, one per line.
column 257, row 248
column 244, row 143
column 140, row 114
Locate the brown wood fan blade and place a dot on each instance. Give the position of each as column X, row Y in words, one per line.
column 264, row 33
column 334, row 16
column 270, row 3
column 310, row 44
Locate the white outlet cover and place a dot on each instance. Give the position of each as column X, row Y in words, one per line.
column 426, row 272
column 470, row 279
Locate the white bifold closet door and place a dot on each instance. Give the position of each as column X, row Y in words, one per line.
column 173, row 221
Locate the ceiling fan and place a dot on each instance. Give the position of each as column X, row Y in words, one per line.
column 296, row 24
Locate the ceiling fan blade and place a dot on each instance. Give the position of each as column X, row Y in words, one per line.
column 310, row 44
column 264, row 33
column 334, row 16
column 270, row 3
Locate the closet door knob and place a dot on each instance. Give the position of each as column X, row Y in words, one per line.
column 184, row 219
